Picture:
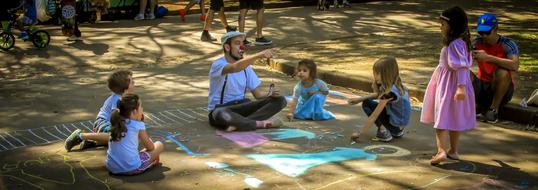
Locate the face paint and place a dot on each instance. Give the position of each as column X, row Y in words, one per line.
column 242, row 49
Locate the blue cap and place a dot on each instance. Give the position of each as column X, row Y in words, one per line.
column 230, row 35
column 486, row 22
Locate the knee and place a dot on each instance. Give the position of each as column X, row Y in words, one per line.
column 280, row 101
column 222, row 114
column 159, row 146
column 501, row 74
column 367, row 105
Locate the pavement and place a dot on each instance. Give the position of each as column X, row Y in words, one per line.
column 47, row 93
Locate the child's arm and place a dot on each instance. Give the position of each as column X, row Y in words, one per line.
column 318, row 92
column 292, row 109
column 145, row 140
column 353, row 101
column 371, row 119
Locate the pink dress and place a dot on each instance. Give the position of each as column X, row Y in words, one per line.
column 439, row 106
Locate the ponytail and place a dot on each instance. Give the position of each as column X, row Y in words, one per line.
column 125, row 106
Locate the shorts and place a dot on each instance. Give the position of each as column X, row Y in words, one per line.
column 251, row 4
column 484, row 93
column 216, row 5
column 101, row 125
column 145, row 157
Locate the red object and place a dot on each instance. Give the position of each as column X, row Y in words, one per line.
column 486, row 70
column 182, row 14
column 243, row 47
column 202, row 17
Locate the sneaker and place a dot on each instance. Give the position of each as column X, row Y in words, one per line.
column 182, row 14
column 202, row 17
column 206, row 37
column 263, row 41
column 396, row 132
column 24, row 36
column 383, row 135
column 73, row 140
column 139, row 17
column 346, row 3
column 150, row 16
column 246, row 42
column 74, row 38
column 492, row 116
column 230, row 28
column 87, row 144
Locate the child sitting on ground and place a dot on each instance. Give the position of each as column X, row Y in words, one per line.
column 128, row 132
column 119, row 82
column 309, row 94
column 391, row 114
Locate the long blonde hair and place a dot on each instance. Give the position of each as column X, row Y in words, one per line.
column 387, row 68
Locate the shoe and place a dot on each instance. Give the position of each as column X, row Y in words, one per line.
column 182, row 14
column 24, row 36
column 383, row 135
column 150, row 16
column 202, row 17
column 206, row 37
column 74, row 38
column 263, row 41
column 230, row 28
column 73, row 140
column 87, row 144
column 492, row 116
column 246, row 42
column 139, row 17
column 397, row 134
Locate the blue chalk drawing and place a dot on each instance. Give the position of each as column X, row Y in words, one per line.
column 289, row 134
column 172, row 138
column 249, row 180
column 294, row 165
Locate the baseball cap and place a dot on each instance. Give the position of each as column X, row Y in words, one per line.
column 229, row 35
column 486, row 22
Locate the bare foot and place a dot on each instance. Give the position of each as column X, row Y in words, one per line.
column 438, row 158
column 355, row 137
column 230, row 129
column 453, row 156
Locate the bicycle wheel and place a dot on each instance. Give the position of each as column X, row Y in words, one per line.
column 7, row 41
column 40, row 39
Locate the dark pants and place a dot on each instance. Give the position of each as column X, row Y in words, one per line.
column 244, row 116
column 216, row 5
column 484, row 92
column 369, row 106
column 251, row 4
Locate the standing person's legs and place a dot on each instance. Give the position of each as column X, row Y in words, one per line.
column 142, row 10
column 242, row 16
column 222, row 18
column 454, row 140
column 214, row 5
column 259, row 22
column 442, row 138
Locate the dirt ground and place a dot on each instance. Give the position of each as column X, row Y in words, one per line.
column 45, row 94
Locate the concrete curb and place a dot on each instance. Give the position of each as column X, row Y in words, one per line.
column 510, row 112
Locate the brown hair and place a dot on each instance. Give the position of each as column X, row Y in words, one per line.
column 387, row 68
column 119, row 81
column 126, row 105
column 458, row 26
column 310, row 65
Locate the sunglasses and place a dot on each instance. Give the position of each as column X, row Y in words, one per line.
column 486, row 33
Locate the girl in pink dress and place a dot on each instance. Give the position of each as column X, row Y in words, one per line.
column 449, row 101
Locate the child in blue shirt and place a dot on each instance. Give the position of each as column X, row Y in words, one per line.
column 309, row 94
column 392, row 110
column 128, row 132
column 119, row 82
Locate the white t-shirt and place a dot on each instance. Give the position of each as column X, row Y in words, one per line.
column 235, row 85
column 123, row 155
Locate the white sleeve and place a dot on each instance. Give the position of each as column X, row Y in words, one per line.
column 253, row 80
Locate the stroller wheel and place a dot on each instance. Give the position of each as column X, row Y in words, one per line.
column 40, row 39
column 7, row 41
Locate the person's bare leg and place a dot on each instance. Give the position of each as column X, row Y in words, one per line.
column 454, row 141
column 259, row 22
column 99, row 138
column 143, row 4
column 189, row 6
column 208, row 20
column 501, row 84
column 152, row 6
column 202, row 7
column 159, row 147
column 241, row 21
column 441, row 136
column 222, row 17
